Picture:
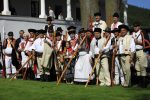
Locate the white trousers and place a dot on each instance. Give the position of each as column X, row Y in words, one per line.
column 10, row 69
column 119, row 76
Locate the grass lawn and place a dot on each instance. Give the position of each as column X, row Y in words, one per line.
column 33, row 90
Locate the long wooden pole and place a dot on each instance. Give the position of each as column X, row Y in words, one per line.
column 70, row 61
column 21, row 68
column 97, row 60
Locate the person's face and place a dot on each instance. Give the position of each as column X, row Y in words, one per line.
column 97, row 34
column 21, row 33
column 10, row 37
column 41, row 35
column 72, row 36
column 115, row 19
column 106, row 34
column 136, row 28
column 49, row 22
column 97, row 18
column 116, row 34
column 25, row 38
column 31, row 35
column 123, row 32
column 88, row 34
column 82, row 34
column 67, row 45
column 58, row 38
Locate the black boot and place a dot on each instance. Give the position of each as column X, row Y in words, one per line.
column 143, row 82
column 42, row 78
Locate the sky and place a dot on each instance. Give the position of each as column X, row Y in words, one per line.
column 140, row 3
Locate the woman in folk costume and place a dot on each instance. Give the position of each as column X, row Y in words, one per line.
column 83, row 66
column 21, row 48
column 68, row 52
column 73, row 45
column 8, row 50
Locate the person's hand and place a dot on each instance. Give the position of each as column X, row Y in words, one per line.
column 136, row 41
column 79, row 47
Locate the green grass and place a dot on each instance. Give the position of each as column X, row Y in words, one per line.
column 32, row 90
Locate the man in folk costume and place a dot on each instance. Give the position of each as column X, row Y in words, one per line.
column 116, row 21
column 126, row 53
column 83, row 66
column 50, row 28
column 99, row 23
column 63, row 37
column 59, row 54
column 38, row 49
column 141, row 58
column 98, row 45
column 8, row 47
column 119, row 76
column 20, row 39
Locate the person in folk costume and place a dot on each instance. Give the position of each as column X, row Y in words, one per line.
column 126, row 50
column 109, row 52
column 50, row 28
column 59, row 54
column 68, row 52
column 141, row 58
column 83, row 66
column 69, row 76
column 98, row 45
column 32, row 71
column 20, row 39
column 38, row 49
column 119, row 76
column 21, row 49
column 63, row 37
column 99, row 23
column 8, row 46
column 116, row 21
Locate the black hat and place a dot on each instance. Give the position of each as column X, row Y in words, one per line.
column 81, row 30
column 116, row 15
column 32, row 30
column 49, row 19
column 115, row 30
column 71, row 28
column 108, row 30
column 10, row 34
column 41, row 31
column 135, row 24
column 123, row 26
column 98, row 30
column 59, row 29
column 97, row 14
column 58, row 34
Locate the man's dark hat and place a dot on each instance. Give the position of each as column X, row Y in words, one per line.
column 59, row 29
column 123, row 26
column 49, row 19
column 32, row 30
column 116, row 15
column 10, row 34
column 97, row 14
column 98, row 30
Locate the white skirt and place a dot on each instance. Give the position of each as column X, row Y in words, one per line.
column 83, row 68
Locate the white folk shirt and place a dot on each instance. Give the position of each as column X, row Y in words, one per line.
column 51, row 13
column 94, row 49
column 38, row 45
column 29, row 45
column 115, row 25
column 126, row 45
column 101, row 24
column 138, row 36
